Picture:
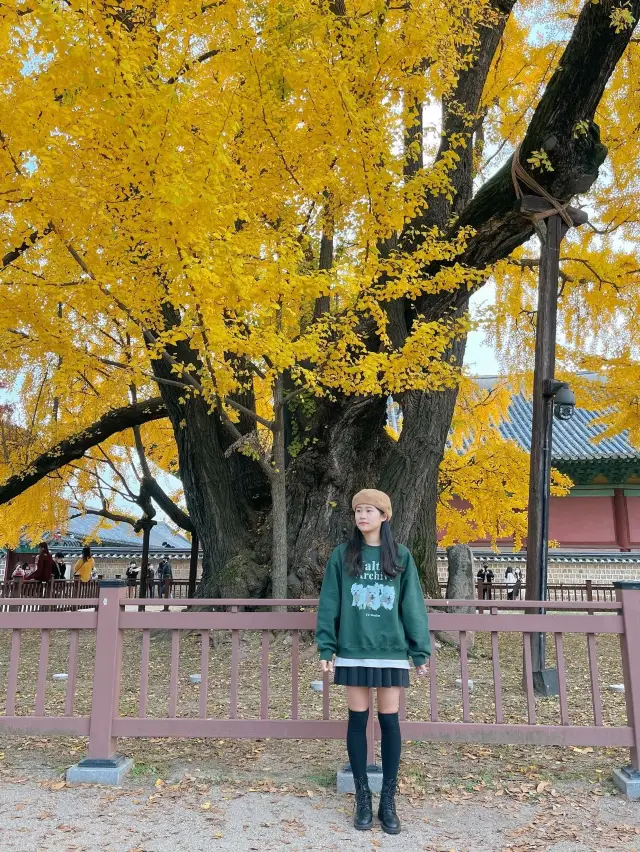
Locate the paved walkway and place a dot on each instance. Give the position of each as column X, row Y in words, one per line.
column 47, row 816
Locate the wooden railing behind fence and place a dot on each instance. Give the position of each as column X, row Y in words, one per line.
column 32, row 592
column 587, row 591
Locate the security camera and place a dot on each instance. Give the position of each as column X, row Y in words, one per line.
column 564, row 412
column 564, row 402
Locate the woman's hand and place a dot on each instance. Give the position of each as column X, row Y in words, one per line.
column 422, row 670
column 326, row 666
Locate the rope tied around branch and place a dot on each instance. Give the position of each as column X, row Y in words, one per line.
column 520, row 175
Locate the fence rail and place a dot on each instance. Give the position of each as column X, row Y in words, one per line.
column 20, row 588
column 32, row 592
column 587, row 591
column 111, row 623
column 156, row 588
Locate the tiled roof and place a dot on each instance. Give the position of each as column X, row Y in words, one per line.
column 120, row 539
column 122, row 535
column 573, row 440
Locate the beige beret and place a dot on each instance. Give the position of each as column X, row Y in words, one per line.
column 372, row 497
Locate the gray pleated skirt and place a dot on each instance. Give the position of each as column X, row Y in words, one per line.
column 372, row 677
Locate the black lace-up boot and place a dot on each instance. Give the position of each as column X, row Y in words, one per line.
column 387, row 808
column 363, row 813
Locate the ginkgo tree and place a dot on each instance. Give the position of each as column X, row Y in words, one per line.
column 241, row 207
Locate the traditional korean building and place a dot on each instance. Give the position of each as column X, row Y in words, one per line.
column 602, row 511
column 111, row 548
column 597, row 525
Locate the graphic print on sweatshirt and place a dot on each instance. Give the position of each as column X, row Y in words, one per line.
column 373, row 596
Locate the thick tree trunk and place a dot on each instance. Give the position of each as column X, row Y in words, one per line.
column 216, row 504
column 216, row 507
column 144, row 562
column 347, row 443
column 279, row 499
column 193, row 565
column 353, row 451
column 410, row 472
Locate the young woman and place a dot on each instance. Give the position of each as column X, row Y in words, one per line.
column 44, row 565
column 132, row 578
column 372, row 616
column 84, row 566
column 510, row 580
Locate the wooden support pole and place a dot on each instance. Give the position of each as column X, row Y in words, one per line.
column 552, row 231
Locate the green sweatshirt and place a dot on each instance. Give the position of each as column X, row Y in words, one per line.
column 372, row 616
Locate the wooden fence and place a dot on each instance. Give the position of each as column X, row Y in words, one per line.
column 587, row 591
column 32, row 593
column 110, row 622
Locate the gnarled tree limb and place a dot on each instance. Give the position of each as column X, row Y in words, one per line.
column 572, row 96
column 76, row 445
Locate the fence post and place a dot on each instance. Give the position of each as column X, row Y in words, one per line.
column 627, row 779
column 103, row 765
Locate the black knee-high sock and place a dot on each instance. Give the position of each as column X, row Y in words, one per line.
column 357, row 742
column 391, row 744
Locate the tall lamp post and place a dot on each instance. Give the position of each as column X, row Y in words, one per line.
column 547, row 395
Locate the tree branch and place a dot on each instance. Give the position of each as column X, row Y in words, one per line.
column 188, row 65
column 30, row 241
column 572, row 95
column 171, row 509
column 76, row 445
column 105, row 513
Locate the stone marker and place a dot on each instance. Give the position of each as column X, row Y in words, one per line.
column 317, row 685
column 616, row 687
column 469, row 683
column 195, row 678
column 61, row 676
column 461, row 586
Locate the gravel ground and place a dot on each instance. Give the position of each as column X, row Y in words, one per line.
column 174, row 817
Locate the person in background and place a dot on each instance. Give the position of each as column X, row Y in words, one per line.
column 85, row 566
column 132, row 578
column 44, row 565
column 481, row 577
column 19, row 571
column 61, row 566
column 488, row 579
column 510, row 580
column 165, row 576
column 151, row 581
column 518, row 585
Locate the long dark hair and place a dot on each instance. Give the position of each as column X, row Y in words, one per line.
column 388, row 552
column 86, row 554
